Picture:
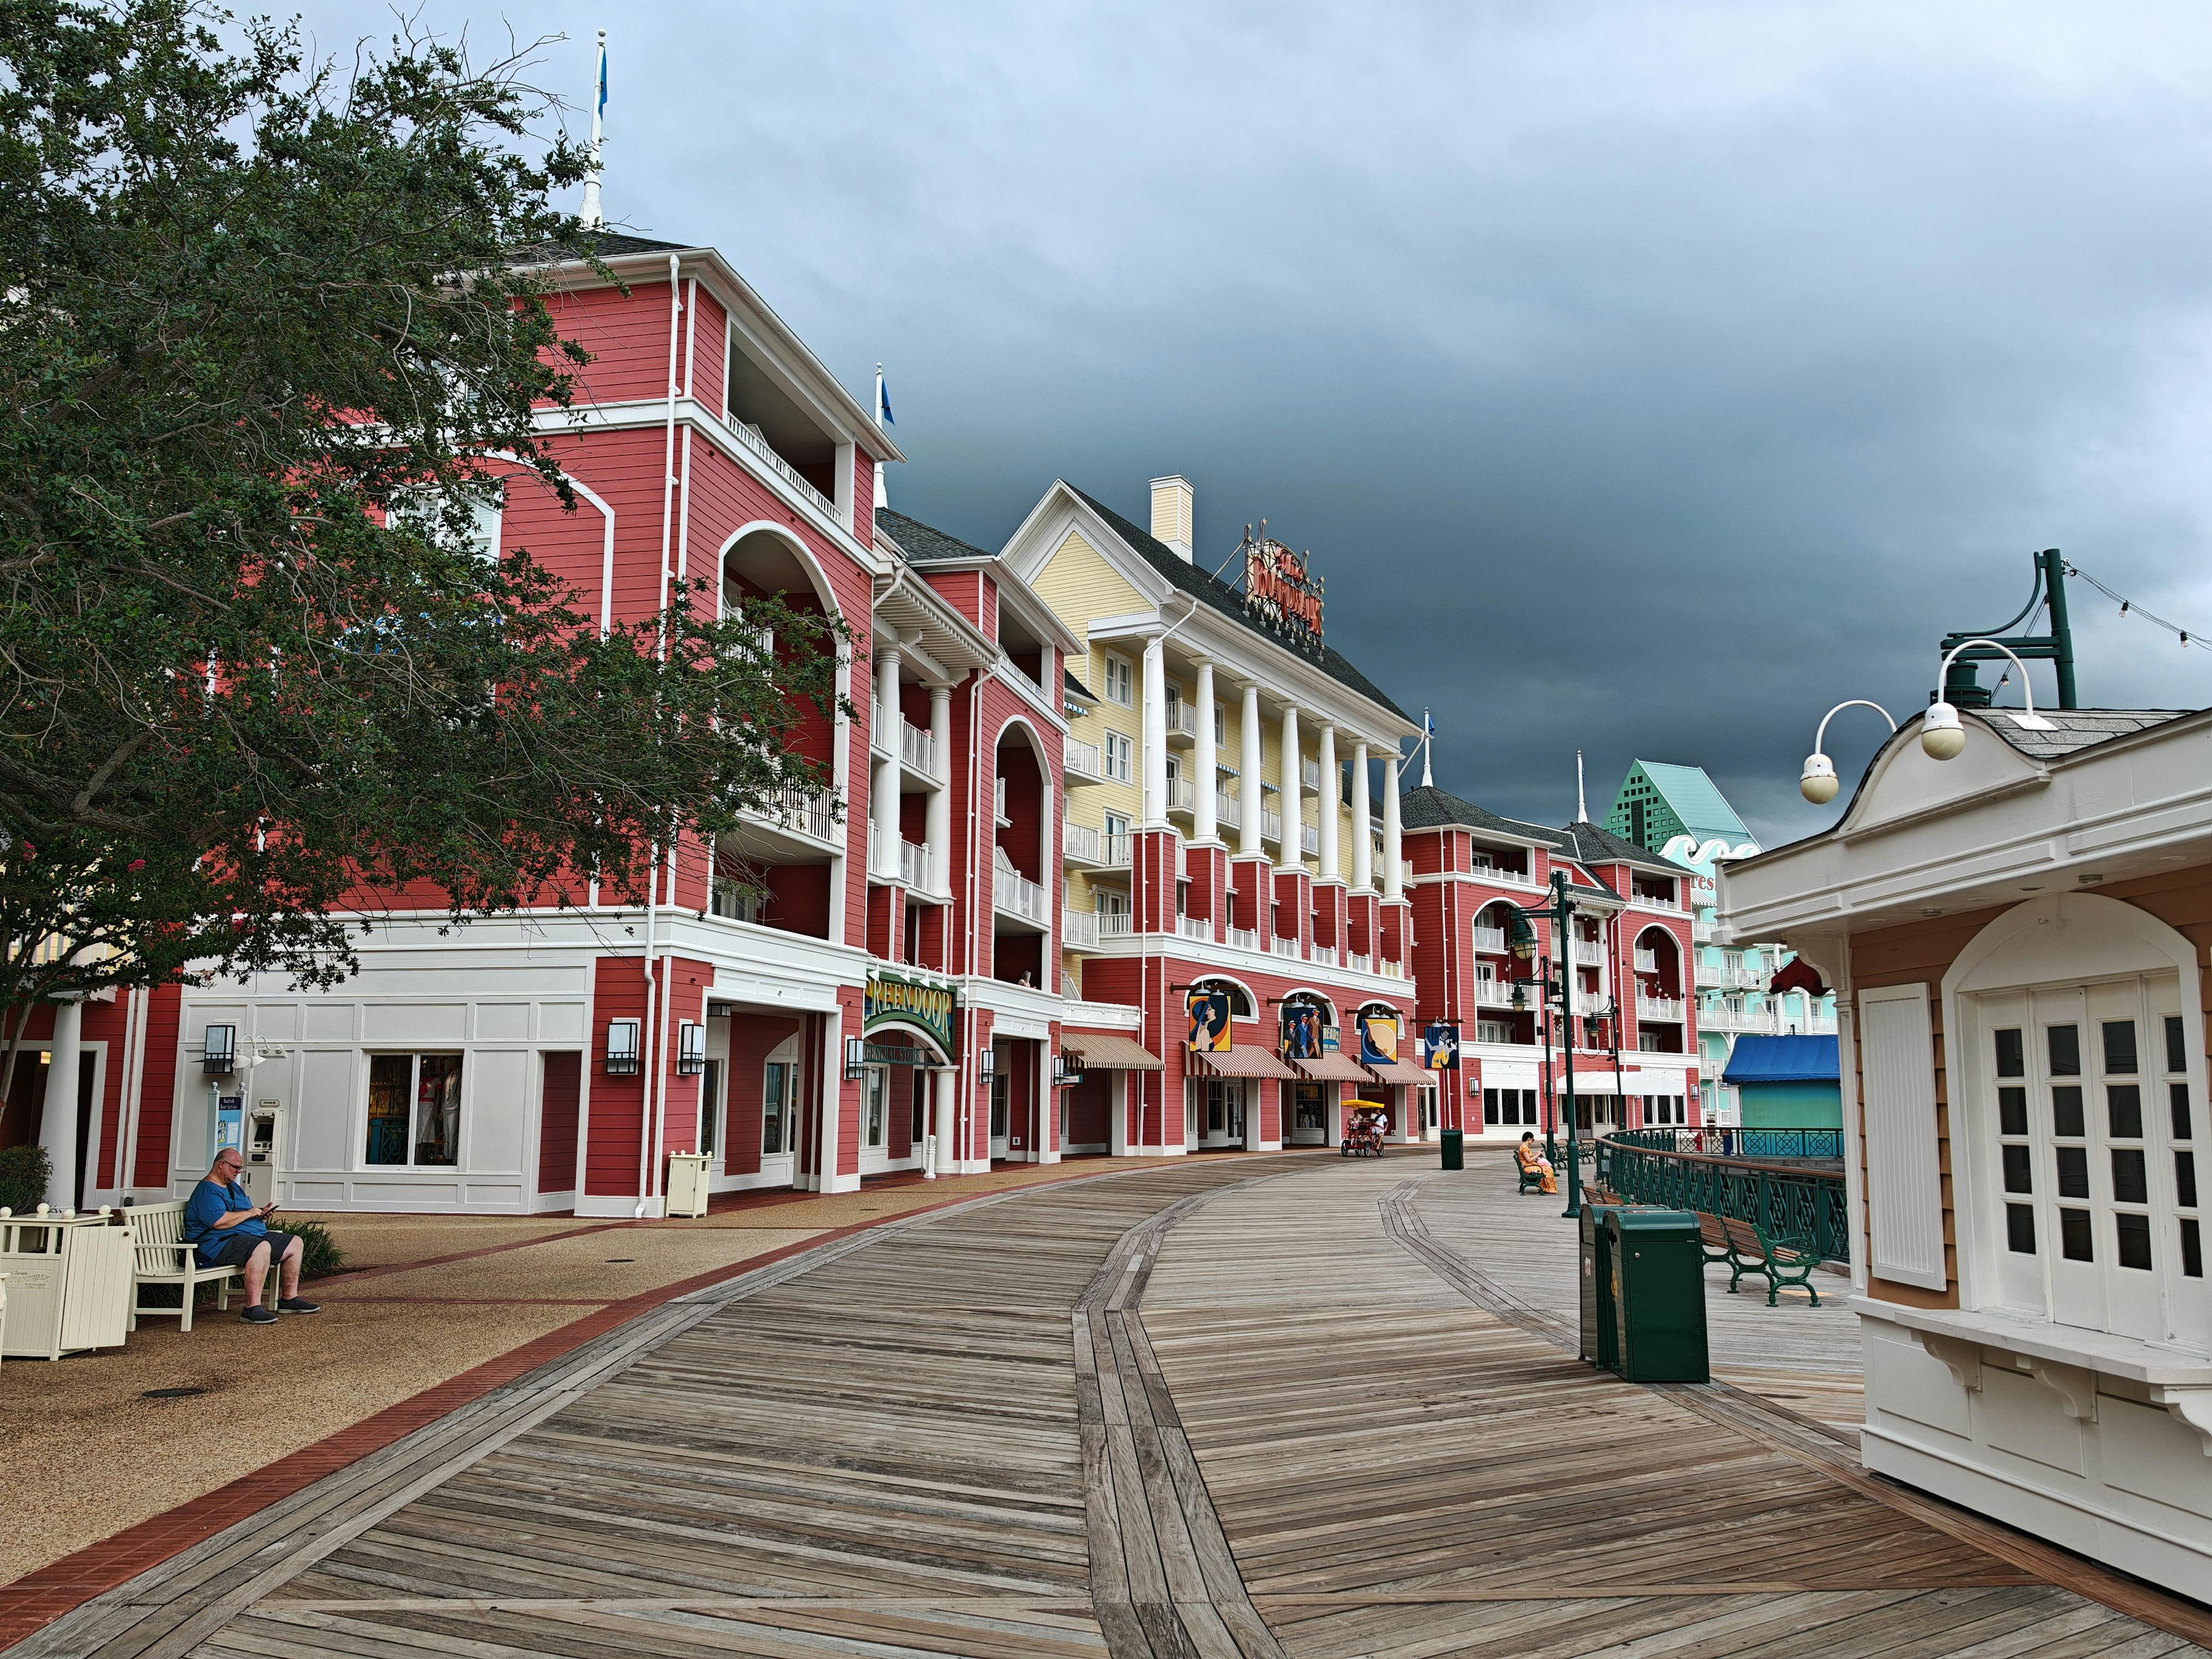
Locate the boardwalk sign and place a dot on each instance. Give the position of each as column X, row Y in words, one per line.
column 1281, row 593
column 1208, row 1009
column 1302, row 1029
column 898, row 1000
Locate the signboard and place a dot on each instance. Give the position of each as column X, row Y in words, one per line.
column 1378, row 1039
column 1209, row 1008
column 1440, row 1046
column 1302, row 1029
column 1332, row 1038
column 230, row 1123
column 1280, row 593
column 895, row 999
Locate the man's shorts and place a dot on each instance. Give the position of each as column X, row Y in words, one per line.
column 236, row 1251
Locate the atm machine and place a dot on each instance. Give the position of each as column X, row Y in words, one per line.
column 264, row 1150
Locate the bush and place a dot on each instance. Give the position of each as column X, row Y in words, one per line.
column 24, row 1172
column 320, row 1255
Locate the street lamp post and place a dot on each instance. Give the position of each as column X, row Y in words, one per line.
column 1560, row 913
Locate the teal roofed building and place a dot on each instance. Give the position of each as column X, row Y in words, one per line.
column 1657, row 802
column 1679, row 813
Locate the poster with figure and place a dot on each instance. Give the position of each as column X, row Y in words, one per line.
column 1302, row 1029
column 1209, row 1008
column 1378, row 1039
column 1440, row 1046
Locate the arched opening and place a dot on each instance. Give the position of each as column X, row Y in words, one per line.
column 898, row 1060
column 1496, row 970
column 1021, row 852
column 1660, row 1008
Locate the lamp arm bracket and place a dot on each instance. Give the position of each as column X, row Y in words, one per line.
column 1820, row 738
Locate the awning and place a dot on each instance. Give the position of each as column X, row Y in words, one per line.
column 1333, row 1068
column 1105, row 1051
column 1397, row 1071
column 1245, row 1059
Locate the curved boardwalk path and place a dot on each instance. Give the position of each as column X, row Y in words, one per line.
column 1250, row 1406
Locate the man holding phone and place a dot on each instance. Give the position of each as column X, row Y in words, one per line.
column 229, row 1229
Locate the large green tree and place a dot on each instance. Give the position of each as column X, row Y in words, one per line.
column 263, row 343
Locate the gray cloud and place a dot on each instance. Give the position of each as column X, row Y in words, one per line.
column 1645, row 379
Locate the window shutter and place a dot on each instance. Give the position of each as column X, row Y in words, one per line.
column 1905, row 1181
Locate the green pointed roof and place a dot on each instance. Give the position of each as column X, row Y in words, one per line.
column 1658, row 801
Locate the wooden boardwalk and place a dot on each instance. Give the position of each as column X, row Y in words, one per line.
column 1241, row 1405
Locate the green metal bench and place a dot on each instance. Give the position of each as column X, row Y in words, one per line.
column 1532, row 1180
column 1747, row 1247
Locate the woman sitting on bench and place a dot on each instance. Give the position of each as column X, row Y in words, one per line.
column 1533, row 1162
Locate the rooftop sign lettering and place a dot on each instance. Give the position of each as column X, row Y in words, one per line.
column 1280, row 594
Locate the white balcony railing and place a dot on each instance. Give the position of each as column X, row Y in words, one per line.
column 751, row 437
column 1666, row 1010
column 1117, row 849
column 1502, row 877
column 1183, row 795
column 1271, row 825
column 1228, row 809
column 1816, row 1024
column 1310, row 776
column 1078, row 928
column 1656, row 901
column 1490, row 941
column 1283, row 947
column 733, row 900
column 1722, row 977
column 1588, row 952
column 1309, row 839
column 1325, row 955
column 917, row 750
column 1081, row 844
column 1182, row 720
column 1592, row 1005
column 1493, row 994
column 1405, row 872
column 1197, row 928
column 1080, row 762
column 1701, row 931
column 1116, row 924
column 1245, row 939
column 809, row 812
column 916, row 868
column 1015, row 894
column 1358, row 964
column 1647, row 961
column 1394, row 970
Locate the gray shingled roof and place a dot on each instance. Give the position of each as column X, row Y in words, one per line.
column 1072, row 687
column 1230, row 602
column 608, row 245
column 1431, row 808
column 2074, row 729
column 924, row 544
column 1594, row 845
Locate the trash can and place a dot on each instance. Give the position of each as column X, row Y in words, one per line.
column 687, row 1183
column 1657, row 1295
column 1454, row 1149
column 1597, row 1274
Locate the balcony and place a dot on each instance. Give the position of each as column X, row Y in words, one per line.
column 1490, row 941
column 1726, row 1018
column 1721, row 977
column 1245, row 939
column 1271, row 825
column 1013, row 894
column 1701, row 931
column 1502, row 876
column 1116, row 848
column 1493, row 994
column 1588, row 952
column 1080, row 763
column 1310, row 776
column 1116, row 924
column 1309, row 840
column 1081, row 844
column 1079, row 930
column 1647, row 961
column 1595, row 1005
column 917, row 869
column 1324, row 956
column 1285, row 947
column 1228, row 809
column 757, row 447
column 1182, row 721
column 1393, row 970
column 1665, row 1010
column 733, row 900
column 809, row 812
column 1655, row 901
column 1358, row 964
column 917, row 750
column 1183, row 796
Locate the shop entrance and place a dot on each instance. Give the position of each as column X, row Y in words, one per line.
column 1220, row 1105
column 1310, row 1113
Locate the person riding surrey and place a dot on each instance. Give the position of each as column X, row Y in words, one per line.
column 1536, row 1163
column 229, row 1229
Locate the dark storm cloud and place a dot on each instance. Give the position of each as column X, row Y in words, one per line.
column 1644, row 379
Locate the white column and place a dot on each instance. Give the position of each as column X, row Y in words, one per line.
column 1291, row 849
column 1331, row 789
column 948, row 1116
column 939, row 817
column 1155, row 735
column 1247, row 835
column 883, row 778
column 1363, row 827
column 1203, row 827
column 57, row 1126
column 1394, row 880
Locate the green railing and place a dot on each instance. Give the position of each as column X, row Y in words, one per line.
column 1823, row 1145
column 1794, row 1203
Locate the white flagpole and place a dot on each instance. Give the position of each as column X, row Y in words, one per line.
column 883, row 497
column 592, row 216
column 1582, row 805
column 1428, row 744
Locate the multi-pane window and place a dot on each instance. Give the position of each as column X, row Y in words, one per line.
column 1119, row 682
column 2015, row 1152
column 1121, row 757
column 874, row 1111
column 775, row 1109
column 1510, row 1108
column 1000, row 1083
column 414, row 1110
column 710, row 1108
column 2181, row 1130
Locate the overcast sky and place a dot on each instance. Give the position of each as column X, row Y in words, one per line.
column 1643, row 379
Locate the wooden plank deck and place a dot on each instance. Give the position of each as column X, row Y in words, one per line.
column 1230, row 1407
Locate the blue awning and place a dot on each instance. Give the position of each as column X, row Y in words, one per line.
column 1782, row 1060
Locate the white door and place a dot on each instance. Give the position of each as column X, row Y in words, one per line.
column 778, row 1113
column 1000, row 1110
column 875, row 1119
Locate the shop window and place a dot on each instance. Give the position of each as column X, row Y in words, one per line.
column 710, row 1108
column 414, row 1110
column 874, row 1115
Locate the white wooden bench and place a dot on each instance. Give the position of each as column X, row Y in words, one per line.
column 164, row 1258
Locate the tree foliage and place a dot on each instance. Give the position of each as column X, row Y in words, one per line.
column 263, row 357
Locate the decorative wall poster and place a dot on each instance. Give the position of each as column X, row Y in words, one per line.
column 1208, row 1009
column 1440, row 1046
column 1332, row 1039
column 1302, row 1029
column 1378, row 1039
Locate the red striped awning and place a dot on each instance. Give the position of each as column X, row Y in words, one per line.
column 1102, row 1050
column 1397, row 1071
column 1332, row 1069
column 1245, row 1059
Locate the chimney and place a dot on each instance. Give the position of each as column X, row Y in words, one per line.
column 1171, row 513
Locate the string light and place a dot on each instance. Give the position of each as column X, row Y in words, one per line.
column 2129, row 607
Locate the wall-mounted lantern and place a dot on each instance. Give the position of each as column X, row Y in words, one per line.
column 219, row 1052
column 622, row 1047
column 691, row 1049
column 856, row 1059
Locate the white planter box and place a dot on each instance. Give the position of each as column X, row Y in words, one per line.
column 688, row 1175
column 69, row 1280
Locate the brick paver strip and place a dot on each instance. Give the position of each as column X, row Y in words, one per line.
column 44, row 1595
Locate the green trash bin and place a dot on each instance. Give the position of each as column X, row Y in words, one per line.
column 1658, row 1296
column 1455, row 1147
column 1596, row 1275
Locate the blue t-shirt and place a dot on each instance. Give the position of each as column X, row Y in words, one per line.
column 210, row 1202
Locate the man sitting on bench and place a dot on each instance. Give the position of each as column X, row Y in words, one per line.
column 229, row 1229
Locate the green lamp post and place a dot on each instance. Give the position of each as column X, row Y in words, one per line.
column 1522, row 938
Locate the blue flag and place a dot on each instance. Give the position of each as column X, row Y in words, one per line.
column 884, row 401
